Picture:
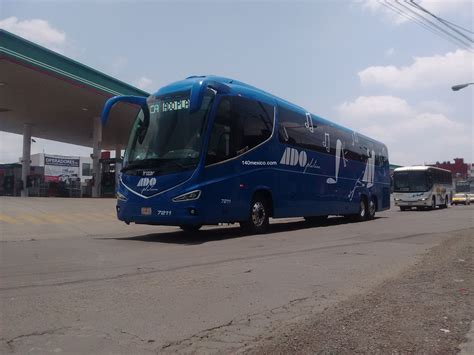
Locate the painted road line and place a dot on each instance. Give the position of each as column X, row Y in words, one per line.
column 31, row 219
column 87, row 217
column 53, row 218
column 56, row 218
column 7, row 219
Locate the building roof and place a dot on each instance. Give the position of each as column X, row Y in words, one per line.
column 418, row 168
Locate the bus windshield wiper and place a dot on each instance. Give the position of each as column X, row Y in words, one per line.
column 153, row 164
column 141, row 164
column 178, row 164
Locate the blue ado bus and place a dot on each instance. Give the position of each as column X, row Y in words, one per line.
column 209, row 150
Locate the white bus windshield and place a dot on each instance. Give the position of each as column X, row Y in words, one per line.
column 173, row 139
column 411, row 181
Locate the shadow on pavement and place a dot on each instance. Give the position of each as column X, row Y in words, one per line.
column 420, row 209
column 204, row 236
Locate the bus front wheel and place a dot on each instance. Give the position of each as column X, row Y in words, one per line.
column 433, row 203
column 258, row 220
column 446, row 202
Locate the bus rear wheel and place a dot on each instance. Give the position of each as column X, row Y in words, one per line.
column 372, row 208
column 259, row 214
column 363, row 211
column 189, row 228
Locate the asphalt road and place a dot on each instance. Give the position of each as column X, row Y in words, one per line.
column 74, row 280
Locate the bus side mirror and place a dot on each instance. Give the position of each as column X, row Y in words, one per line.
column 135, row 100
column 198, row 89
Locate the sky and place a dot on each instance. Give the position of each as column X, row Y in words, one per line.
column 353, row 62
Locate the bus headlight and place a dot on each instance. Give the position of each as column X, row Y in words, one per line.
column 397, row 199
column 423, row 199
column 188, row 196
column 121, row 197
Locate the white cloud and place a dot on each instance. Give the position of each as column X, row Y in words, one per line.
column 144, row 83
column 438, row 70
column 436, row 106
column 36, row 30
column 413, row 136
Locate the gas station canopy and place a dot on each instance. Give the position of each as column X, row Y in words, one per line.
column 58, row 97
column 47, row 95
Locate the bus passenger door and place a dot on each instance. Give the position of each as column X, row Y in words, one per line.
column 235, row 152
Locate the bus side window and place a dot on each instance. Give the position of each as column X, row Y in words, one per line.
column 255, row 123
column 293, row 129
column 220, row 141
column 240, row 124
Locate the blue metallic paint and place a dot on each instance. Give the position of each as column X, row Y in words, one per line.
column 295, row 191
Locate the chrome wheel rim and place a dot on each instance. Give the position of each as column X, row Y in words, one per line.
column 371, row 208
column 362, row 208
column 258, row 214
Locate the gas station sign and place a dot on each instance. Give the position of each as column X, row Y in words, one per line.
column 60, row 168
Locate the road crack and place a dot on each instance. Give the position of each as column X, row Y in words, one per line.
column 221, row 262
column 37, row 333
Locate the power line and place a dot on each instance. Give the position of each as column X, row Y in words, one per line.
column 390, row 5
column 434, row 25
column 418, row 14
column 460, row 27
column 414, row 4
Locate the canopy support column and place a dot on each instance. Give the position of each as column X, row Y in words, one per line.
column 26, row 158
column 118, row 152
column 96, row 150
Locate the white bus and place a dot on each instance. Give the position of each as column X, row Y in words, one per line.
column 423, row 187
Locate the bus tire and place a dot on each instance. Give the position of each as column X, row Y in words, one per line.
column 371, row 208
column 189, row 228
column 362, row 214
column 433, row 203
column 446, row 202
column 258, row 220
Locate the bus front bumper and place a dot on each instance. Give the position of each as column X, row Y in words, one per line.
column 172, row 215
column 401, row 203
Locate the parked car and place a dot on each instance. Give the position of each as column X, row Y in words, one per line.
column 461, row 199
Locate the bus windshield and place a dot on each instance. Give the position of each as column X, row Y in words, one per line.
column 172, row 139
column 411, row 181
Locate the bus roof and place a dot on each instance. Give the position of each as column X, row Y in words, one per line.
column 239, row 87
column 418, row 168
